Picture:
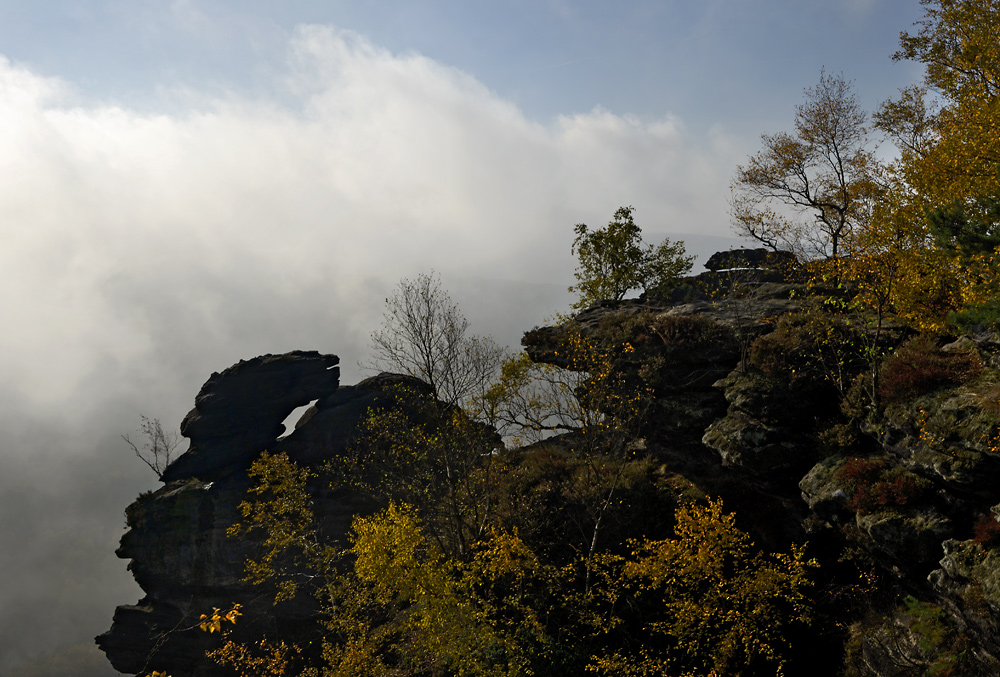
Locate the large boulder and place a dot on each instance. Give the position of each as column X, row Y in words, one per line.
column 750, row 258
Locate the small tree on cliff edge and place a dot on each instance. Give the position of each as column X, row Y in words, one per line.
column 157, row 446
column 810, row 191
column 615, row 260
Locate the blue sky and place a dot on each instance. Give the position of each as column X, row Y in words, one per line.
column 735, row 62
column 185, row 184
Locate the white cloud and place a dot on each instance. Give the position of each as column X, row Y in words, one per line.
column 134, row 238
column 143, row 250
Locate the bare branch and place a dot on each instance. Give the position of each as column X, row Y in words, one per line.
column 424, row 334
column 157, row 445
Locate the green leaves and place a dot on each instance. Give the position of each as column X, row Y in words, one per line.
column 615, row 260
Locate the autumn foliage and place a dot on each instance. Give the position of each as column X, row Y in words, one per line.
column 703, row 601
column 986, row 531
column 918, row 236
column 919, row 366
column 876, row 484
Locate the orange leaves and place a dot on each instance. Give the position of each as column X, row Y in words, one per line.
column 210, row 623
column 213, row 622
column 263, row 658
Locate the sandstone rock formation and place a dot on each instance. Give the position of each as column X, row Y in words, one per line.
column 768, row 431
column 750, row 258
column 239, row 412
column 177, row 545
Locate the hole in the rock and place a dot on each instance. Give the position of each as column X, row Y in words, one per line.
column 294, row 417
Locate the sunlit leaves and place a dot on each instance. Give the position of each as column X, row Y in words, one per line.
column 213, row 622
column 446, row 623
column 811, row 191
column 937, row 222
column 282, row 513
column 614, row 260
column 712, row 604
column 262, row 659
column 958, row 42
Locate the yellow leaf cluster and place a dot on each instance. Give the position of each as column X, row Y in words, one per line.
column 717, row 606
column 948, row 133
column 213, row 622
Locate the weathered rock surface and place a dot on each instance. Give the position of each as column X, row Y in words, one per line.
column 745, row 442
column 761, row 439
column 750, row 258
column 179, row 551
column 946, row 436
column 910, row 539
column 319, row 434
column 239, row 412
column 823, row 492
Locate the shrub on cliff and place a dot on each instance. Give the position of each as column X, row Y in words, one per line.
column 808, row 363
column 876, row 484
column 661, row 348
column 986, row 531
column 919, row 367
column 615, row 260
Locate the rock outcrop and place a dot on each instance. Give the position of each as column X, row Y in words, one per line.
column 177, row 543
column 739, row 259
column 239, row 412
column 746, row 405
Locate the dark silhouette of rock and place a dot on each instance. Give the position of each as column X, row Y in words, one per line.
column 320, row 433
column 239, row 412
column 750, row 258
column 177, row 542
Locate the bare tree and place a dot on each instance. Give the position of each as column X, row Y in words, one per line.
column 157, row 445
column 425, row 335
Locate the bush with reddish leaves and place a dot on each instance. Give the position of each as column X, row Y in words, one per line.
column 986, row 531
column 920, row 367
column 875, row 484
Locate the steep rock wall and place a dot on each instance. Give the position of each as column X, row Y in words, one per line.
column 176, row 543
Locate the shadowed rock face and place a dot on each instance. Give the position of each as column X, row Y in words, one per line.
column 239, row 413
column 319, row 434
column 762, row 443
column 179, row 552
